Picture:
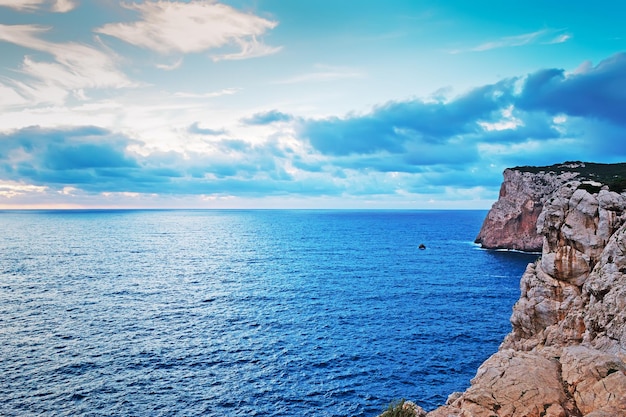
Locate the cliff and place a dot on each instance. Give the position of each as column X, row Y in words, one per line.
column 566, row 353
column 511, row 222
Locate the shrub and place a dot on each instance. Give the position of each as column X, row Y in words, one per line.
column 618, row 185
column 398, row 409
column 590, row 188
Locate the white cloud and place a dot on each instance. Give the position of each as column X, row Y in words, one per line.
column 75, row 66
column 9, row 97
column 564, row 37
column 170, row 67
column 22, row 34
column 223, row 92
column 11, row 189
column 63, row 6
column 543, row 36
column 509, row 41
column 323, row 73
column 250, row 48
column 507, row 122
column 59, row 6
column 22, row 5
column 68, row 190
column 169, row 26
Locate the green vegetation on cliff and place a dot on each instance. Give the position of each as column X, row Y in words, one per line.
column 399, row 409
column 612, row 175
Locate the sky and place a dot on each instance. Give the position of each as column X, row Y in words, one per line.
column 408, row 104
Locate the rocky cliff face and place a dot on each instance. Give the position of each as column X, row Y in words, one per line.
column 566, row 354
column 511, row 222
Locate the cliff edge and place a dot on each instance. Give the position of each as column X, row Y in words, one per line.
column 511, row 222
column 566, row 353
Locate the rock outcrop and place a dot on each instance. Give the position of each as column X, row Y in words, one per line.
column 511, row 222
column 566, row 353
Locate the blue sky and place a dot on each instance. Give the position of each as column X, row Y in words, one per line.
column 305, row 104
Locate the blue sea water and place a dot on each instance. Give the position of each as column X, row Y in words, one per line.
column 245, row 313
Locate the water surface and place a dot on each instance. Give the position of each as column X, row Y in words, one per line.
column 255, row 313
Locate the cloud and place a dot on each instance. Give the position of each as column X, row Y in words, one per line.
column 323, row 73
column 595, row 92
column 446, row 149
column 176, row 27
column 59, row 6
column 268, row 117
column 10, row 189
column 22, row 5
column 97, row 160
column 75, row 66
column 86, row 156
column 223, row 92
column 600, row 140
column 10, row 97
column 48, row 157
column 64, row 6
column 546, row 117
column 197, row 130
column 564, row 37
column 397, row 126
column 249, row 48
column 543, row 36
column 170, row 67
column 509, row 41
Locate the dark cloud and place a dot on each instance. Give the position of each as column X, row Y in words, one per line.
column 84, row 156
column 80, row 155
column 494, row 125
column 32, row 136
column 358, row 135
column 97, row 160
column 266, row 118
column 398, row 126
column 597, row 92
column 604, row 142
column 91, row 158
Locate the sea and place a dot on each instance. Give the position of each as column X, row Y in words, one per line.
column 245, row 312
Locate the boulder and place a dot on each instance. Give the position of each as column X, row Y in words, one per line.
column 595, row 379
column 512, row 383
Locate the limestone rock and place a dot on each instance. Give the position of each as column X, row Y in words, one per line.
column 595, row 379
column 413, row 408
column 566, row 353
column 548, row 312
column 453, row 397
column 511, row 222
column 513, row 383
column 576, row 226
column 449, row 411
column 605, row 290
column 603, row 413
column 552, row 307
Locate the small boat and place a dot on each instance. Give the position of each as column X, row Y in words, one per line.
column 421, row 246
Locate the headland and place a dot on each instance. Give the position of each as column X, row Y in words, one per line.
column 566, row 353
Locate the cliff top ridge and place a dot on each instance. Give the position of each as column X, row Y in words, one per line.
column 613, row 175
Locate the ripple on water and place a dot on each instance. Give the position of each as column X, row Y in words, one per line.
column 267, row 313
